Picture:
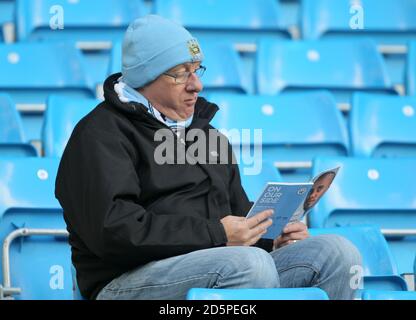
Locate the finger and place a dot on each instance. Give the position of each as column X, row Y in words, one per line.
column 260, row 228
column 258, row 218
column 295, row 227
column 255, row 239
column 295, row 236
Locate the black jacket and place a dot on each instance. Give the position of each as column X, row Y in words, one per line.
column 122, row 209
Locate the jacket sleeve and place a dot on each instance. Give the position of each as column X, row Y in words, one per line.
column 98, row 188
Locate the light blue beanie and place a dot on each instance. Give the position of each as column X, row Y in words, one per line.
column 152, row 45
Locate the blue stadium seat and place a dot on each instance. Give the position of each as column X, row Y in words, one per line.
column 340, row 66
column 39, row 264
column 372, row 191
column 7, row 8
column 239, row 22
column 390, row 23
column 288, row 140
column 61, row 116
column 383, row 126
column 54, row 68
column 254, row 182
column 224, row 68
column 12, row 142
column 411, row 70
column 379, row 267
column 388, row 295
column 92, row 25
column 257, row 294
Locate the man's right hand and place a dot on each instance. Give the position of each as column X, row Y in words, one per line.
column 241, row 231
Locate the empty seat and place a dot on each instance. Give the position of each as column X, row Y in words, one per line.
column 61, row 116
column 383, row 126
column 12, row 141
column 257, row 294
column 390, row 23
column 387, row 21
column 239, row 22
column 33, row 71
column 372, row 191
column 92, row 25
column 388, row 295
column 293, row 128
column 379, row 267
column 32, row 221
column 340, row 66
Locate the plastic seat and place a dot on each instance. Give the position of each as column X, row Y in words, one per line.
column 257, row 294
column 388, row 295
column 288, row 140
column 372, row 191
column 12, row 142
column 54, row 68
column 238, row 22
column 383, row 126
column 379, row 267
column 93, row 33
column 39, row 263
column 340, row 66
column 108, row 23
column 390, row 23
column 61, row 116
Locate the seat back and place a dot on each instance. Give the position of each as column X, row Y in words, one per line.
column 287, row 140
column 379, row 267
column 237, row 22
column 341, row 66
column 39, row 264
column 61, row 117
column 411, row 69
column 81, row 21
column 12, row 141
column 383, row 126
column 257, row 294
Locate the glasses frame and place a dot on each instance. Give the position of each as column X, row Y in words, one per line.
column 186, row 74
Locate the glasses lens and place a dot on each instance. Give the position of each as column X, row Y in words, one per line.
column 200, row 71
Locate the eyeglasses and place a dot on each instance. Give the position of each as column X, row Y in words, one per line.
column 182, row 77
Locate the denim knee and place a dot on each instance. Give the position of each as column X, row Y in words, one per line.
column 342, row 252
column 255, row 266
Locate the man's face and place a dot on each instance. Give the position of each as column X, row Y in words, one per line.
column 318, row 189
column 173, row 99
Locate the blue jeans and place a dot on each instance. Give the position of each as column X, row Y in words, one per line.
column 321, row 261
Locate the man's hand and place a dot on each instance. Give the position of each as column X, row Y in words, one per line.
column 291, row 233
column 241, row 231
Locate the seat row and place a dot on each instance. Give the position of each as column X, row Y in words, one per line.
column 281, row 67
column 36, row 256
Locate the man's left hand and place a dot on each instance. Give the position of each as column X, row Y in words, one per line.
column 291, row 233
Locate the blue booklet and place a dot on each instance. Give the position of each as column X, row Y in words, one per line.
column 291, row 201
column 284, row 199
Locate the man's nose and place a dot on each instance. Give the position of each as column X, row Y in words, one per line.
column 194, row 84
